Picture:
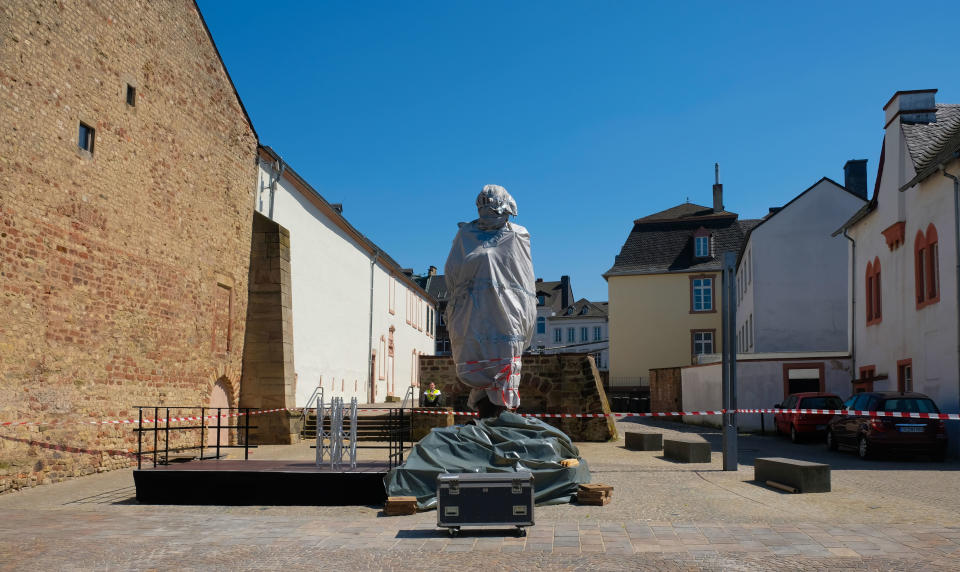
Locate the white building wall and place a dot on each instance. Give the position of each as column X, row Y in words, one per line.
column 331, row 289
column 927, row 336
column 796, row 290
column 759, row 386
column 591, row 347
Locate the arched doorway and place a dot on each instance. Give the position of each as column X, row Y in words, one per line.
column 219, row 397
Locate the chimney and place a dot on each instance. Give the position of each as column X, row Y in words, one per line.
column 337, row 207
column 539, row 279
column 913, row 106
column 855, row 177
column 564, row 289
column 717, row 189
column 432, row 271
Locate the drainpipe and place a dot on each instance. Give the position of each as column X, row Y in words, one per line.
column 280, row 167
column 956, row 238
column 373, row 264
column 853, row 303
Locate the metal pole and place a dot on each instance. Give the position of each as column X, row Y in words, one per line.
column 166, row 438
column 203, row 429
column 218, row 432
column 156, row 433
column 729, row 365
column 246, row 434
column 140, row 439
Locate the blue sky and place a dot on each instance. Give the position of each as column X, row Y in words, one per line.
column 591, row 114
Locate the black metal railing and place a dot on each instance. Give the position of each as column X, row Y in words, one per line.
column 163, row 427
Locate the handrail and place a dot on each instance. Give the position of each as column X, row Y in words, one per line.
column 303, row 412
column 407, row 395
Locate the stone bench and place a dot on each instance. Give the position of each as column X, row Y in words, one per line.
column 643, row 441
column 804, row 476
column 687, row 449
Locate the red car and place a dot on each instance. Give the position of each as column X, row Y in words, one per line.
column 799, row 424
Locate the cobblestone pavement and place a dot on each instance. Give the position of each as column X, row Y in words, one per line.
column 896, row 514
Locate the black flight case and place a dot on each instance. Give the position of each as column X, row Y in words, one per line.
column 484, row 499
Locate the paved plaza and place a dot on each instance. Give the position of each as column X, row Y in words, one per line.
column 890, row 514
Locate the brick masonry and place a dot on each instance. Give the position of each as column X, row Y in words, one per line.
column 123, row 273
column 558, row 383
column 268, row 377
column 665, row 389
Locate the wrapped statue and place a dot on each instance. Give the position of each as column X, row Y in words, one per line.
column 493, row 306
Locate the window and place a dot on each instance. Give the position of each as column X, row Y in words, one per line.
column 702, row 341
column 541, row 300
column 927, row 267
column 597, row 333
column 874, row 304
column 803, row 377
column 392, row 294
column 131, row 95
column 701, row 246
column 584, row 310
column 905, row 375
column 86, row 137
column 571, row 335
column 541, row 325
column 584, row 334
column 596, row 359
column 702, row 294
column 557, row 335
column 749, row 260
column 750, row 331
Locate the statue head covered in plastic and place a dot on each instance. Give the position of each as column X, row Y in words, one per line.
column 494, row 205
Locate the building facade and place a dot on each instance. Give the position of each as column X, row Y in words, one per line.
column 664, row 289
column 360, row 322
column 553, row 298
column 904, row 255
column 126, row 198
column 792, row 275
column 580, row 328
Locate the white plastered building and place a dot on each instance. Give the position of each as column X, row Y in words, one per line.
column 904, row 257
column 360, row 321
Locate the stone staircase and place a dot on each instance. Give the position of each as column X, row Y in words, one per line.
column 370, row 426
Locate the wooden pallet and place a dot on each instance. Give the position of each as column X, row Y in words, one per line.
column 594, row 494
column 399, row 506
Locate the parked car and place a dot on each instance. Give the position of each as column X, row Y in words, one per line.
column 799, row 425
column 869, row 436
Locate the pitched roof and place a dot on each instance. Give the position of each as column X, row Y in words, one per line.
column 931, row 144
column 582, row 308
column 435, row 285
column 686, row 210
column 658, row 244
column 552, row 293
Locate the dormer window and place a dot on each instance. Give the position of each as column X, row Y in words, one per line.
column 570, row 311
column 701, row 246
column 541, row 300
column 701, row 243
column 583, row 311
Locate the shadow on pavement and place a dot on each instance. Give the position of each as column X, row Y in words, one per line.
column 752, row 446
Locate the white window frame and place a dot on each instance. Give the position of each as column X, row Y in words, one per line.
column 705, row 290
column 702, row 343
column 701, row 246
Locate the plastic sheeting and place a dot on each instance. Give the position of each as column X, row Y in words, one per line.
column 493, row 306
column 503, row 444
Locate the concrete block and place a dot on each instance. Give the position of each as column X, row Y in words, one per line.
column 805, row 476
column 643, row 441
column 691, row 449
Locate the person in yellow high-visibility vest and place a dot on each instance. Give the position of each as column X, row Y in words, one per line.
column 431, row 397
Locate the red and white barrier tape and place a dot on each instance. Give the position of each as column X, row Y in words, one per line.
column 879, row 414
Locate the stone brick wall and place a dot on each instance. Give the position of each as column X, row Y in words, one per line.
column 122, row 272
column 557, row 383
column 268, row 376
column 666, row 391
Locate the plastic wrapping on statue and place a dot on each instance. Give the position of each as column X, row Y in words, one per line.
column 492, row 309
column 507, row 443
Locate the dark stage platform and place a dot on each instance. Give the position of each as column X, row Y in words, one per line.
column 233, row 482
